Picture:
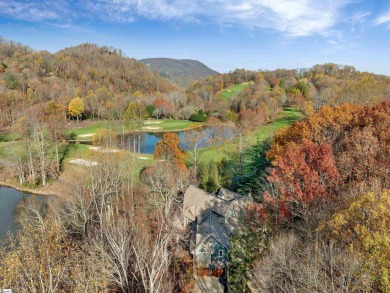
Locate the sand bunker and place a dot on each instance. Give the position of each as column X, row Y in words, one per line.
column 86, row 135
column 142, row 158
column 83, row 162
column 152, row 122
column 99, row 149
column 151, row 127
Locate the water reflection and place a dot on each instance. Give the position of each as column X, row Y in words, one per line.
column 9, row 199
column 146, row 142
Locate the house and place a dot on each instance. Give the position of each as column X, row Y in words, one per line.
column 212, row 219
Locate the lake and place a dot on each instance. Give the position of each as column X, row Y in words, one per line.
column 9, row 199
column 146, row 142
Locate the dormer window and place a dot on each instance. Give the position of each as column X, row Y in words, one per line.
column 210, row 241
column 222, row 220
column 202, row 250
column 221, row 253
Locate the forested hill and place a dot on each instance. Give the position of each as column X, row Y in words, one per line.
column 107, row 66
column 181, row 72
column 100, row 75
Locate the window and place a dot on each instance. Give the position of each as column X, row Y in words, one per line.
column 221, row 253
column 222, row 220
column 211, row 240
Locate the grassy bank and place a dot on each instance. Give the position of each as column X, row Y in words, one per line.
column 83, row 151
column 150, row 125
column 283, row 119
column 232, row 91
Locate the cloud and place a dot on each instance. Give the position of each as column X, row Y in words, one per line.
column 35, row 10
column 384, row 18
column 291, row 17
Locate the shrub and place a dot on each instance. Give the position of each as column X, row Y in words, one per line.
column 199, row 117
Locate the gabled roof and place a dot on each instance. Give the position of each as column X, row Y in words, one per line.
column 197, row 201
column 209, row 224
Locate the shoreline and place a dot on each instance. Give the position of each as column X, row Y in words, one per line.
column 140, row 131
column 26, row 190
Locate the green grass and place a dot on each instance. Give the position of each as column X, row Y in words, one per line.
column 232, row 91
column 8, row 150
column 283, row 119
column 149, row 125
column 9, row 137
column 173, row 125
column 93, row 128
column 82, row 151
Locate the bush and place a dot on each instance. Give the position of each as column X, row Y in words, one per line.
column 150, row 109
column 199, row 117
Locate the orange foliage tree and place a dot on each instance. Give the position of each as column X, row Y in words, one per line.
column 169, row 149
column 336, row 147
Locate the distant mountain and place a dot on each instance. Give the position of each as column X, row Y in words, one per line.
column 181, row 72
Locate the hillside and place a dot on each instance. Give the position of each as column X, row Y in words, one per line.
column 181, row 72
column 102, row 76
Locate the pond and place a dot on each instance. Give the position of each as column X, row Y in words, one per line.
column 146, row 142
column 9, row 199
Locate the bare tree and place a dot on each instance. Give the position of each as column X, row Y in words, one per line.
column 194, row 139
column 165, row 180
column 316, row 266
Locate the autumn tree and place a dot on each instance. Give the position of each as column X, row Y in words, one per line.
column 105, row 138
column 303, row 174
column 162, row 108
column 169, row 149
column 76, row 107
column 135, row 113
column 55, row 117
column 364, row 229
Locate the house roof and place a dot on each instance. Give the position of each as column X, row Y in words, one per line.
column 209, row 224
column 197, row 201
column 227, row 194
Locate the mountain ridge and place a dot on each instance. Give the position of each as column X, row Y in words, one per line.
column 182, row 72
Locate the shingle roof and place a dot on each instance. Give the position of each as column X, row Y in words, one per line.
column 209, row 223
column 197, row 201
column 228, row 195
column 206, row 210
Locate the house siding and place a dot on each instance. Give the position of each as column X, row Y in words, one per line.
column 211, row 258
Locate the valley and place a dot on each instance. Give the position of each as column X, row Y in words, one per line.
column 162, row 175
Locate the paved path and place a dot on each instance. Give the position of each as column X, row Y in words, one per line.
column 208, row 285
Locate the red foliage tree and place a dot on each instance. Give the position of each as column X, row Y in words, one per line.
column 304, row 173
column 255, row 216
column 163, row 108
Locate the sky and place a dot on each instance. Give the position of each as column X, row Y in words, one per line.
column 223, row 34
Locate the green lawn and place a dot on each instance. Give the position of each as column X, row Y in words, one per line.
column 78, row 132
column 232, row 91
column 8, row 151
column 172, row 125
column 86, row 132
column 83, row 151
column 9, row 137
column 283, row 119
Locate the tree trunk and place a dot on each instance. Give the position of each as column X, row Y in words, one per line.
column 139, row 142
column 57, row 155
column 41, row 141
